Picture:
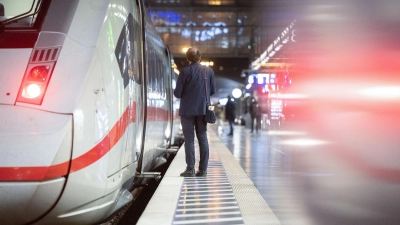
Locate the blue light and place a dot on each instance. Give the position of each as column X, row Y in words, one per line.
column 168, row 17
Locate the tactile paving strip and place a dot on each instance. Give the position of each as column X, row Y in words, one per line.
column 208, row 200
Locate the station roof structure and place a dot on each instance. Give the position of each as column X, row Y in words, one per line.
column 231, row 34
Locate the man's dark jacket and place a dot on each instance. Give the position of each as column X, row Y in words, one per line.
column 190, row 89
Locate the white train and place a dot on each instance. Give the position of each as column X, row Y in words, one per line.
column 86, row 108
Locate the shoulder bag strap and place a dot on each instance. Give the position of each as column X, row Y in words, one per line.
column 205, row 84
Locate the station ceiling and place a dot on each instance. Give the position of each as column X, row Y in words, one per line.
column 229, row 33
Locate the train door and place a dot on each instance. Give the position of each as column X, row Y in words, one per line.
column 168, row 83
column 141, row 100
column 129, row 54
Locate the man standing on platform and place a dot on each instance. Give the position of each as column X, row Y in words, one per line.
column 255, row 114
column 230, row 108
column 190, row 88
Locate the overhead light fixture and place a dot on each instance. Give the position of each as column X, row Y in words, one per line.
column 214, row 2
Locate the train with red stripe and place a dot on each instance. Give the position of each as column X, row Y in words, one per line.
column 87, row 110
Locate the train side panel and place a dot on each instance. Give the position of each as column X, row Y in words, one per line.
column 83, row 142
column 102, row 117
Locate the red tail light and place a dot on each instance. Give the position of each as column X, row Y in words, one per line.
column 37, row 75
column 35, row 83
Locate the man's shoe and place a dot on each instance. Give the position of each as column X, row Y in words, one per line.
column 188, row 173
column 201, row 173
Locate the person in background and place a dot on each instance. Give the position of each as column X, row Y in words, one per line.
column 190, row 88
column 255, row 115
column 230, row 108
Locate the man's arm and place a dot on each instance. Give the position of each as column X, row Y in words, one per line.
column 212, row 83
column 179, row 86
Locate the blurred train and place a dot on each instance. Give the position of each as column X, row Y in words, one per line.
column 342, row 121
column 86, row 105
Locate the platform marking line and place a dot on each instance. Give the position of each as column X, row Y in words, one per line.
column 207, row 184
column 204, row 199
column 211, row 194
column 209, row 177
column 184, row 192
column 208, row 214
column 209, row 187
column 206, row 195
column 200, row 181
column 208, row 220
column 209, row 209
column 207, row 203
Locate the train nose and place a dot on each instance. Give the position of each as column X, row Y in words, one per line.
column 36, row 149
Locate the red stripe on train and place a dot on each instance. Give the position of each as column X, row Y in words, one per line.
column 40, row 173
column 104, row 145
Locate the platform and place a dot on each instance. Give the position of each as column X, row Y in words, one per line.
column 225, row 196
column 263, row 178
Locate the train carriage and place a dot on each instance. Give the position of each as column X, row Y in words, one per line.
column 86, row 108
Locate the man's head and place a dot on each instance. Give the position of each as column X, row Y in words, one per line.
column 193, row 55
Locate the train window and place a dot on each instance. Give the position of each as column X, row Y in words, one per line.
column 162, row 81
column 150, row 68
column 137, row 37
column 125, row 52
column 153, row 72
column 19, row 14
column 21, row 20
column 158, row 86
